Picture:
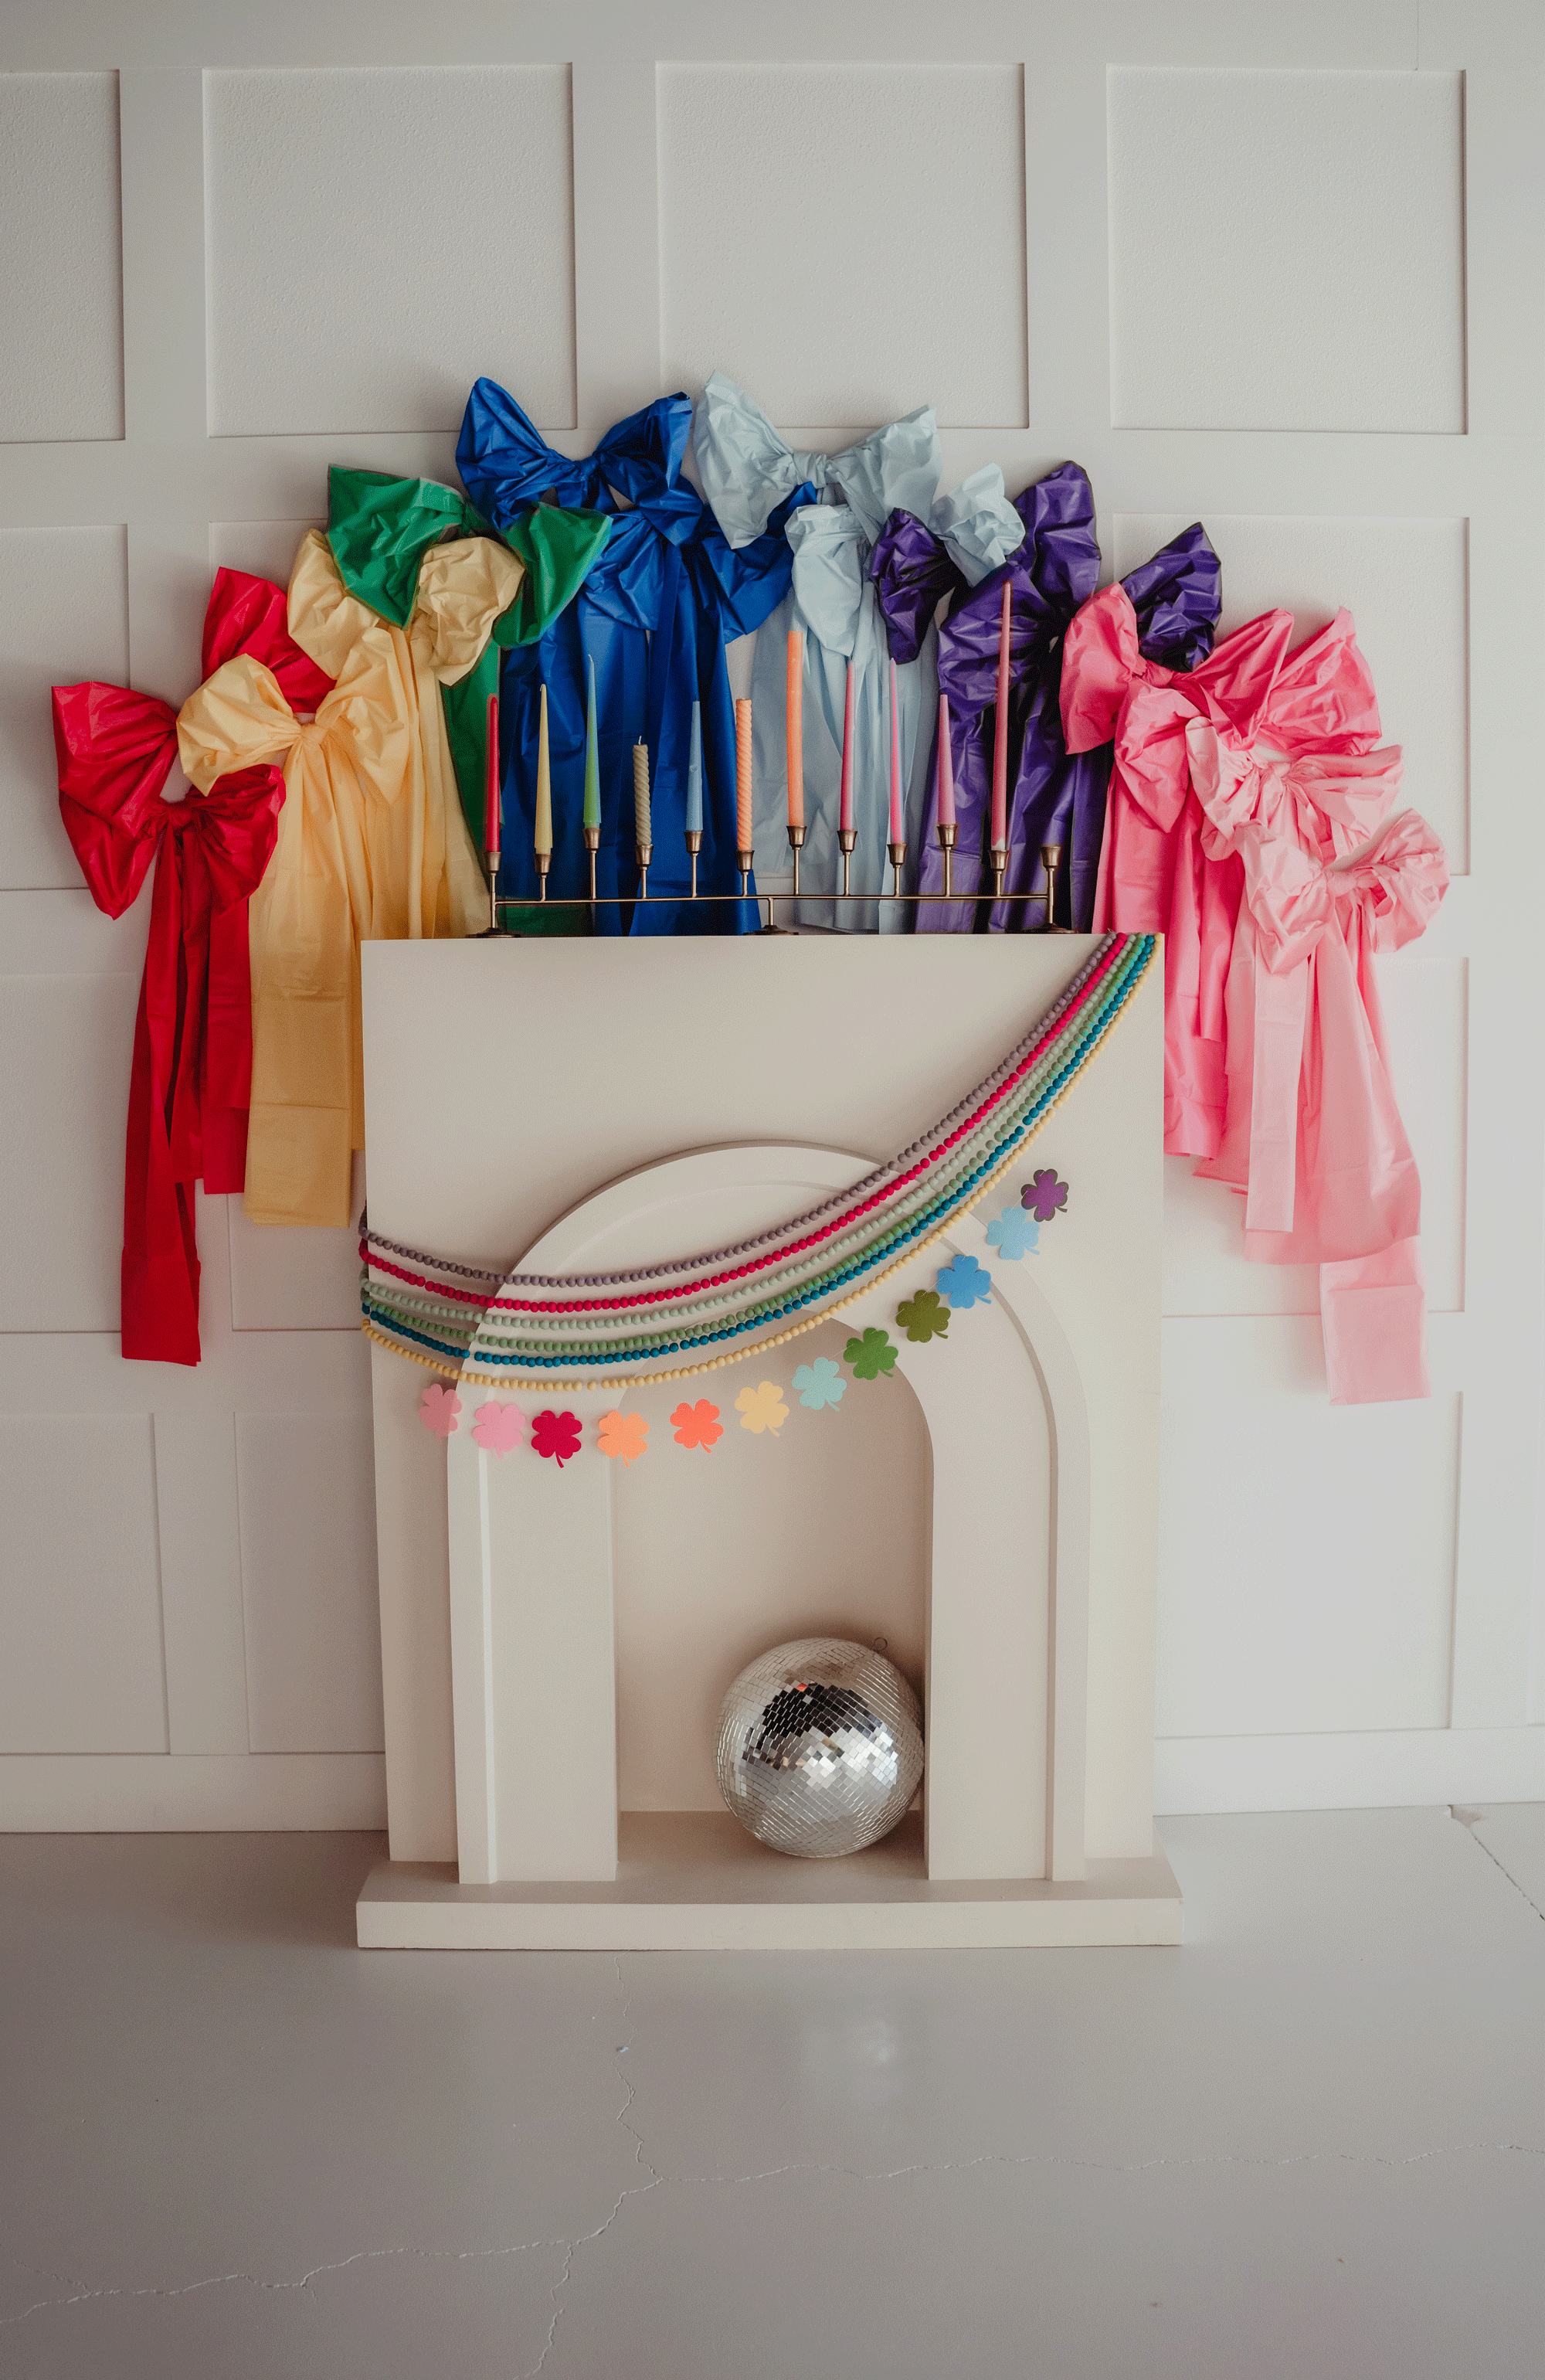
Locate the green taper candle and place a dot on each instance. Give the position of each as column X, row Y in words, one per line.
column 592, row 815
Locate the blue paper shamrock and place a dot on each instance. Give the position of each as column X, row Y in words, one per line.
column 820, row 1383
column 965, row 1282
column 1014, row 1234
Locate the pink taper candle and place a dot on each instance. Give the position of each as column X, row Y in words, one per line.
column 845, row 813
column 898, row 830
column 999, row 835
column 794, row 726
column 945, row 808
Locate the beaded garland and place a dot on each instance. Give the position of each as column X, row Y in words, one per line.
column 812, row 1266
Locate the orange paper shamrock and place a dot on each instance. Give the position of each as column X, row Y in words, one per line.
column 697, row 1425
column 624, row 1434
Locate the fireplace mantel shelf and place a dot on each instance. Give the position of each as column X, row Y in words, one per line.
column 695, row 1880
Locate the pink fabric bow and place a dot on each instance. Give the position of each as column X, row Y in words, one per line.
column 1313, row 1134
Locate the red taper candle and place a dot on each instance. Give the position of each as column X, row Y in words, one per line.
column 999, row 835
column 897, row 825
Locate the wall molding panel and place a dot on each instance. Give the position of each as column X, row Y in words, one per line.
column 242, row 249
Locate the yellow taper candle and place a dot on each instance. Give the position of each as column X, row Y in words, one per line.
column 543, row 838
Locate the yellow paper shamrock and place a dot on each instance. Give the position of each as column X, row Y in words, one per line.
column 762, row 1407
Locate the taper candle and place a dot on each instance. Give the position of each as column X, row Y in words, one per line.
column 999, row 834
column 845, row 810
column 898, row 827
column 591, row 814
column 945, row 805
column 694, row 773
column 491, row 781
column 642, row 828
column 742, row 776
column 541, row 840
column 794, row 727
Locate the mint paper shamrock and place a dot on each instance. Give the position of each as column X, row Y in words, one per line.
column 870, row 1355
column 924, row 1316
column 1014, row 1234
column 1043, row 1194
column 820, row 1384
column 965, row 1283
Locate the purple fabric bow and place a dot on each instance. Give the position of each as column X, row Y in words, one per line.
column 1053, row 797
column 911, row 570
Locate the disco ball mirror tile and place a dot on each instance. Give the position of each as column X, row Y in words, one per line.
column 820, row 1747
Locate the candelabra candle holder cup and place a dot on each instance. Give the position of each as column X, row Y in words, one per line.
column 1000, row 869
column 846, row 839
column 743, row 861
column 796, row 844
column 646, row 852
column 694, row 844
column 946, row 835
column 1051, row 860
column 592, row 844
column 898, row 852
column 544, row 862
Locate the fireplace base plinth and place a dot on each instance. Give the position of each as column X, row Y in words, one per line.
column 695, row 1880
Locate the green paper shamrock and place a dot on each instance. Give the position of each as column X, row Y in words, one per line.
column 924, row 1317
column 870, row 1355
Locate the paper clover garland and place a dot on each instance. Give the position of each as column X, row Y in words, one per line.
column 762, row 1407
column 556, row 1436
column 870, row 1355
column 820, row 1384
column 1043, row 1194
column 1014, row 1234
column 439, row 1410
column 499, row 1429
column 924, row 1316
column 697, row 1425
column 964, row 1284
column 624, row 1436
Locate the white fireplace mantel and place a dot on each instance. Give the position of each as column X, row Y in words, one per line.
column 586, row 1107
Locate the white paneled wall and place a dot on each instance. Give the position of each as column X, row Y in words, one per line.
column 1270, row 267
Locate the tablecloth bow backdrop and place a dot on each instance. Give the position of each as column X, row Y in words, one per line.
column 1233, row 796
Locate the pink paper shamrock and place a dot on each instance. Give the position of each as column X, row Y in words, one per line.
column 555, row 1435
column 499, row 1429
column 439, row 1410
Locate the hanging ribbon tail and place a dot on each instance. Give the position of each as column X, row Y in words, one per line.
column 1373, row 1313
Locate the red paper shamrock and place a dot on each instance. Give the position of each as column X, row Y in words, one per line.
column 697, row 1425
column 556, row 1434
column 1043, row 1194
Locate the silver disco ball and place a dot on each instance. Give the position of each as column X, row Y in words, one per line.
column 820, row 1747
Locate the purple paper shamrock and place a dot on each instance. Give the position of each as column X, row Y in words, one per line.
column 965, row 1283
column 1043, row 1194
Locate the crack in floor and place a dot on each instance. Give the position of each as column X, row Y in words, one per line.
column 1472, row 1819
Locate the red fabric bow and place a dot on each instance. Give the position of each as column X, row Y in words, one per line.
column 192, row 1068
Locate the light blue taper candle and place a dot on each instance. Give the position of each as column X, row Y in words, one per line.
column 694, row 773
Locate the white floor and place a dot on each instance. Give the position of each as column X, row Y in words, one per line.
column 1312, row 2141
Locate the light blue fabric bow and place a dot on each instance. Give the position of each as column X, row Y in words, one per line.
column 747, row 469
column 978, row 525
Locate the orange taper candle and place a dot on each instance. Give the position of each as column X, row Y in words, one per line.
column 742, row 776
